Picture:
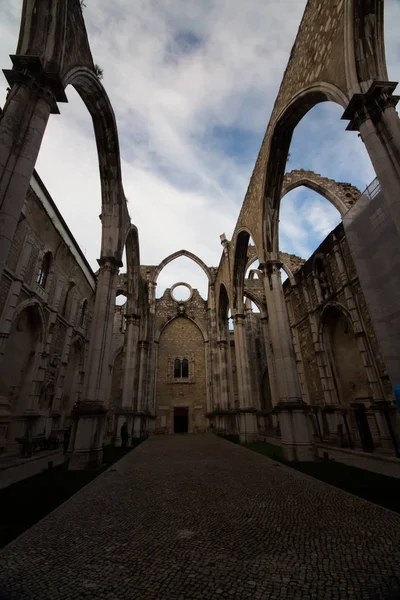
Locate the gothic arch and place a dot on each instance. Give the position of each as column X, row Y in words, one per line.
column 114, row 213
column 37, row 306
column 177, row 254
column 341, row 195
column 53, row 52
column 194, row 321
column 222, row 308
column 240, row 253
column 279, row 136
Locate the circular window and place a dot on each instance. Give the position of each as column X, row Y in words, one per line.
column 181, row 292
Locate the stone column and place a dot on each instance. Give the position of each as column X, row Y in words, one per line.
column 130, row 368
column 214, row 375
column 247, row 411
column 152, row 353
column 373, row 114
column 91, row 411
column 137, row 427
column 270, row 360
column 23, row 122
column 293, row 412
column 223, row 349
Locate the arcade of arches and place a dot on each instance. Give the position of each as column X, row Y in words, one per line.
column 308, row 363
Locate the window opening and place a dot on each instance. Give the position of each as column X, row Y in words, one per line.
column 44, row 270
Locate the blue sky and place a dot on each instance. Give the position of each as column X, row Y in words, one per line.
column 192, row 85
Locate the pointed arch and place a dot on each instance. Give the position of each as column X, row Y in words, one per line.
column 194, row 321
column 279, row 137
column 341, row 195
column 114, row 212
column 176, row 255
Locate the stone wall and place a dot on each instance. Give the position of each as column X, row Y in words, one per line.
column 181, row 334
column 60, row 310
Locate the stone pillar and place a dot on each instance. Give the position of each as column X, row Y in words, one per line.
column 90, row 412
column 248, row 429
column 270, row 361
column 252, row 331
column 223, row 401
column 373, row 114
column 293, row 412
column 214, row 374
column 137, row 426
column 32, row 98
column 152, row 354
column 297, row 348
column 129, row 394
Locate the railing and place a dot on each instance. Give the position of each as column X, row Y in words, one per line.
column 373, row 189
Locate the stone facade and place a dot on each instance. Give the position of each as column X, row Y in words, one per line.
column 47, row 298
column 339, row 361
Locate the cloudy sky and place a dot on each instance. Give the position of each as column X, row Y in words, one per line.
column 192, row 83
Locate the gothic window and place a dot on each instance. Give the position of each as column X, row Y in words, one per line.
column 177, row 368
column 185, row 368
column 83, row 313
column 44, row 270
column 181, row 368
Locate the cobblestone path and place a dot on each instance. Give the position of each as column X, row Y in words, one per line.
column 201, row 518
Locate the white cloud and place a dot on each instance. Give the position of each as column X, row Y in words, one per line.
column 178, row 73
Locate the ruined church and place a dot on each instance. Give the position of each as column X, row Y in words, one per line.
column 315, row 368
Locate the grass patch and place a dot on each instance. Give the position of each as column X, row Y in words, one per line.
column 274, row 452
column 380, row 489
column 233, row 437
column 26, row 502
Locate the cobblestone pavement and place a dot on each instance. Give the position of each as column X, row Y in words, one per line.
column 197, row 517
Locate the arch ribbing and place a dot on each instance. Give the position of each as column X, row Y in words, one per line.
column 177, row 254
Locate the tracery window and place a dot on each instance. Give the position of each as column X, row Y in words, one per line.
column 44, row 270
column 181, row 368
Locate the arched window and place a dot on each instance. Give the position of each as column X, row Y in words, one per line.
column 181, row 368
column 44, row 270
column 177, row 368
column 185, row 368
column 83, row 313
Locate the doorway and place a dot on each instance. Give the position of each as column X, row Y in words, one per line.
column 181, row 419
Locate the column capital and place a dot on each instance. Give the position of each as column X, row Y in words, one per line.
column 109, row 263
column 132, row 319
column 370, row 104
column 239, row 318
column 270, row 266
column 222, row 342
column 29, row 71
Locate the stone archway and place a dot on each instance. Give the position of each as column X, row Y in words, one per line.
column 350, row 377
